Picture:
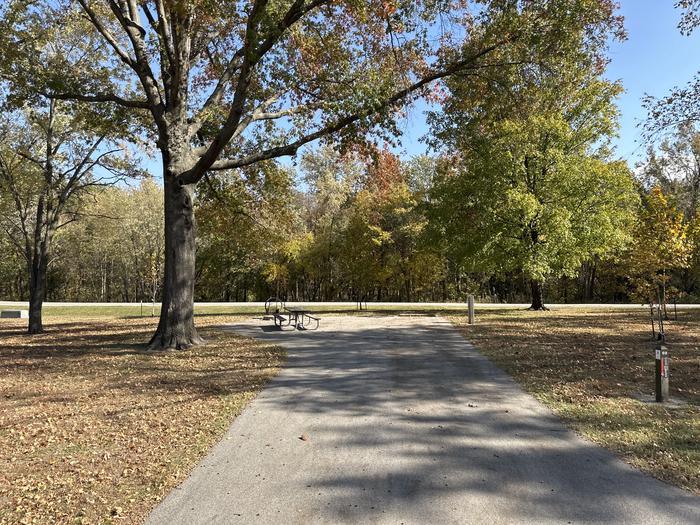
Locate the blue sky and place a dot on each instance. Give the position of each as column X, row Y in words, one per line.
column 654, row 58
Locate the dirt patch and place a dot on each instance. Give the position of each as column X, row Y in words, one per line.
column 594, row 367
column 93, row 428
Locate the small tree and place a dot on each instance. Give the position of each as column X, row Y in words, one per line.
column 661, row 244
column 51, row 152
column 50, row 156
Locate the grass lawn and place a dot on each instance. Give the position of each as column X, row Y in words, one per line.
column 226, row 310
column 593, row 367
column 138, row 311
column 95, row 429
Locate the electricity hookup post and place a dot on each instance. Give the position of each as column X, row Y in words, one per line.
column 470, row 306
column 662, row 361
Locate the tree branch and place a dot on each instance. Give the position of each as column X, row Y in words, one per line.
column 6, row 174
column 291, row 149
column 246, row 55
column 250, row 57
column 159, row 23
column 107, row 35
column 31, row 159
column 167, row 33
column 101, row 97
column 260, row 113
column 141, row 64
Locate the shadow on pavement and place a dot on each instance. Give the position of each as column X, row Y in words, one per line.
column 429, row 429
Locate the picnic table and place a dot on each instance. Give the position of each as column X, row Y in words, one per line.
column 297, row 316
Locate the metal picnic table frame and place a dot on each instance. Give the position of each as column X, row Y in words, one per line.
column 297, row 316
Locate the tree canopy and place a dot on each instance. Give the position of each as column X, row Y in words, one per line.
column 530, row 185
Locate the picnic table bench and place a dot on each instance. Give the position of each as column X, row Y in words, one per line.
column 297, row 316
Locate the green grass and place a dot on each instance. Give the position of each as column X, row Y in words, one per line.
column 137, row 311
column 145, row 311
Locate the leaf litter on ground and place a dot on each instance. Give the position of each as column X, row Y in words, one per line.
column 96, row 429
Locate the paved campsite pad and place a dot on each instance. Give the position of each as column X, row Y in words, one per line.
column 399, row 420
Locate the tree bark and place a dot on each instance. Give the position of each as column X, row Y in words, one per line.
column 37, row 288
column 537, row 296
column 590, row 283
column 587, row 279
column 176, row 328
column 37, row 253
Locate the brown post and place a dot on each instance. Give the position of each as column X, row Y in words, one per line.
column 662, row 372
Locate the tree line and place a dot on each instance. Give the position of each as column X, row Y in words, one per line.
column 373, row 227
column 522, row 189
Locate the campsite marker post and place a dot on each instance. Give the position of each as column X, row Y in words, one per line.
column 662, row 362
column 470, row 305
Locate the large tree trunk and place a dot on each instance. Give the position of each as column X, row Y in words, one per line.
column 37, row 287
column 537, row 298
column 37, row 253
column 587, row 279
column 176, row 328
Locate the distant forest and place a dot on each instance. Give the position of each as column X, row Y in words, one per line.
column 372, row 227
